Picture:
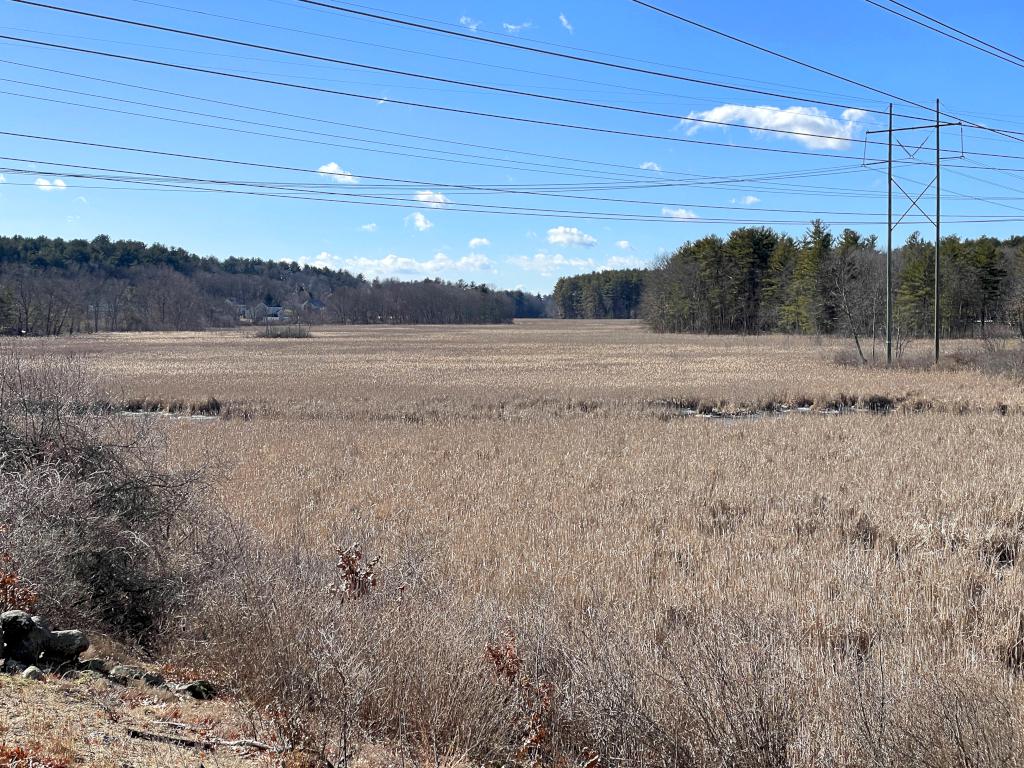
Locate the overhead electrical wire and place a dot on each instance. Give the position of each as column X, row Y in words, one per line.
column 638, row 172
column 806, row 65
column 437, row 107
column 648, row 181
column 415, row 184
column 964, row 38
column 431, row 78
column 477, row 38
column 361, row 198
column 218, row 160
column 321, row 133
column 353, row 199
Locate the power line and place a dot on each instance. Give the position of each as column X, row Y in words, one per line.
column 582, row 103
column 165, row 179
column 416, row 184
column 604, row 164
column 503, row 211
column 667, row 182
column 770, row 52
column 386, row 16
column 490, row 65
column 798, row 62
column 225, row 161
column 820, row 70
column 636, row 172
column 421, row 76
column 984, row 47
column 441, row 108
column 321, row 133
column 583, row 59
column 157, row 186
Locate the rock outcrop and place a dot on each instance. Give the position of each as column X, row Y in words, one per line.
column 28, row 640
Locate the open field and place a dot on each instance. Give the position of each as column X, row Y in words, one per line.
column 358, row 372
column 797, row 590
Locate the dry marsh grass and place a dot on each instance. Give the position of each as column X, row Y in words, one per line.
column 358, row 371
column 568, row 578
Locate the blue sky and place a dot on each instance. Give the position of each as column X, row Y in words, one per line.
column 393, row 190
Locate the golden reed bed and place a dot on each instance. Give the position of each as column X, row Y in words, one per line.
column 801, row 590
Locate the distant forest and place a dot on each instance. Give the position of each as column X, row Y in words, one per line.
column 53, row 286
column 758, row 280
column 614, row 293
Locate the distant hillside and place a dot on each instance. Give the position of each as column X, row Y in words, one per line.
column 52, row 286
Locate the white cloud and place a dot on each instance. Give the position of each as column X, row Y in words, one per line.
column 678, row 213
column 322, row 260
column 831, row 133
column 433, row 199
column 371, row 227
column 479, row 242
column 45, row 185
column 421, row 222
column 473, row 261
column 514, row 28
column 397, row 266
column 620, row 262
column 624, row 245
column 565, row 22
column 470, row 24
column 747, row 200
column 551, row 263
column 336, row 172
column 570, row 236
column 650, row 166
column 2, row 178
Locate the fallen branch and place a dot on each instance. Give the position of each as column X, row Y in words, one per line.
column 178, row 741
column 207, row 744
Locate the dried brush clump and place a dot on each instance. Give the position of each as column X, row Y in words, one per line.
column 99, row 534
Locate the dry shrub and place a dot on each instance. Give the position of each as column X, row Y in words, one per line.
column 904, row 715
column 95, row 528
column 333, row 667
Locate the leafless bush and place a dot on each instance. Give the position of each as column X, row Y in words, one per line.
column 331, row 668
column 94, row 525
column 921, row 717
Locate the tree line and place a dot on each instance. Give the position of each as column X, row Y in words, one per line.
column 758, row 280
column 50, row 286
column 608, row 294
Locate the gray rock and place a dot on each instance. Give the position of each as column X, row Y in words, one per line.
column 29, row 640
column 24, row 639
column 203, row 690
column 66, row 645
column 33, row 673
column 83, row 675
column 125, row 674
column 99, row 666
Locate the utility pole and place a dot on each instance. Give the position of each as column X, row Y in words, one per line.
column 938, row 230
column 888, row 259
